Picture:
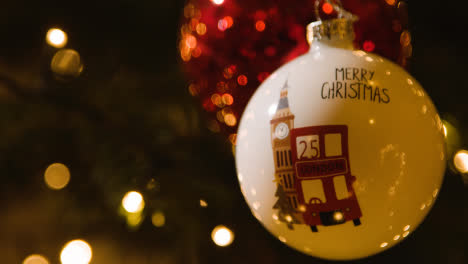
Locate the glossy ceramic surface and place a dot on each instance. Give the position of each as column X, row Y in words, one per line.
column 392, row 153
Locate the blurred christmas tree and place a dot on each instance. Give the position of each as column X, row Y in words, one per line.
column 113, row 107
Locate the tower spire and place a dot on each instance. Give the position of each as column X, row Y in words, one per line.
column 283, row 102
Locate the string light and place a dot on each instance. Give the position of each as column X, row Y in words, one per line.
column 35, row 259
column 76, row 252
column 133, row 202
column 222, row 236
column 242, row 80
column 460, row 160
column 158, row 219
column 56, row 37
column 260, row 25
column 57, row 176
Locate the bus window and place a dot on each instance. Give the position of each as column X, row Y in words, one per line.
column 313, row 189
column 333, row 145
column 308, row 146
column 340, row 187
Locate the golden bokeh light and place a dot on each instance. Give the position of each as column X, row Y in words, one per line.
column 133, row 202
column 391, row 2
column 76, row 252
column 222, row 236
column 227, row 99
column 384, row 244
column 56, row 37
column 460, row 160
column 57, row 176
column 201, row 29
column 194, row 89
column 67, row 63
column 158, row 219
column 35, row 259
column 230, row 120
column 203, row 203
column 405, row 38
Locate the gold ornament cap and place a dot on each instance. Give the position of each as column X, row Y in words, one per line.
column 337, row 29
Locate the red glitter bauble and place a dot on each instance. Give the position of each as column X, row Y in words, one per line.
column 229, row 47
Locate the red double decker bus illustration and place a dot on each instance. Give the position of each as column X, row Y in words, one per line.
column 312, row 171
column 324, row 183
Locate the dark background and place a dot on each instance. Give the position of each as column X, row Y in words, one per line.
column 129, row 120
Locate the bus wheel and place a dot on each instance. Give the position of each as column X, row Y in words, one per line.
column 313, row 228
column 357, row 222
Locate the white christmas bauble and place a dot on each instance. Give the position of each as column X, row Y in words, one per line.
column 340, row 153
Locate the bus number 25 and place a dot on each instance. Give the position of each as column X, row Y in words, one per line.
column 308, row 146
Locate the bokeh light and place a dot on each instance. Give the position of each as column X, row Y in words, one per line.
column 133, row 202
column 327, row 8
column 242, row 80
column 460, row 160
column 76, row 252
column 201, row 29
column 227, row 99
column 217, row 2
column 260, row 25
column 35, row 259
column 158, row 219
column 222, row 236
column 57, row 176
column 203, row 203
column 56, row 38
column 405, row 38
column 368, row 46
column 390, row 2
column 67, row 63
column 230, row 119
column 222, row 24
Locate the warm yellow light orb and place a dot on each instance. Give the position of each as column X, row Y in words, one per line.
column 56, row 38
column 35, row 259
column 76, row 252
column 133, row 202
column 222, row 236
column 66, row 63
column 203, row 203
column 461, row 161
column 158, row 219
column 57, row 176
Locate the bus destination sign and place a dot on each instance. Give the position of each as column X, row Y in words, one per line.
column 321, row 168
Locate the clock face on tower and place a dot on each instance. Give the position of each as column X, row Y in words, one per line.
column 281, row 131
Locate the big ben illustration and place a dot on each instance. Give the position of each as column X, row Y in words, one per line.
column 281, row 125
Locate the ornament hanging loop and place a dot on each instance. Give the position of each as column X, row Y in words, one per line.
column 338, row 6
column 337, row 31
